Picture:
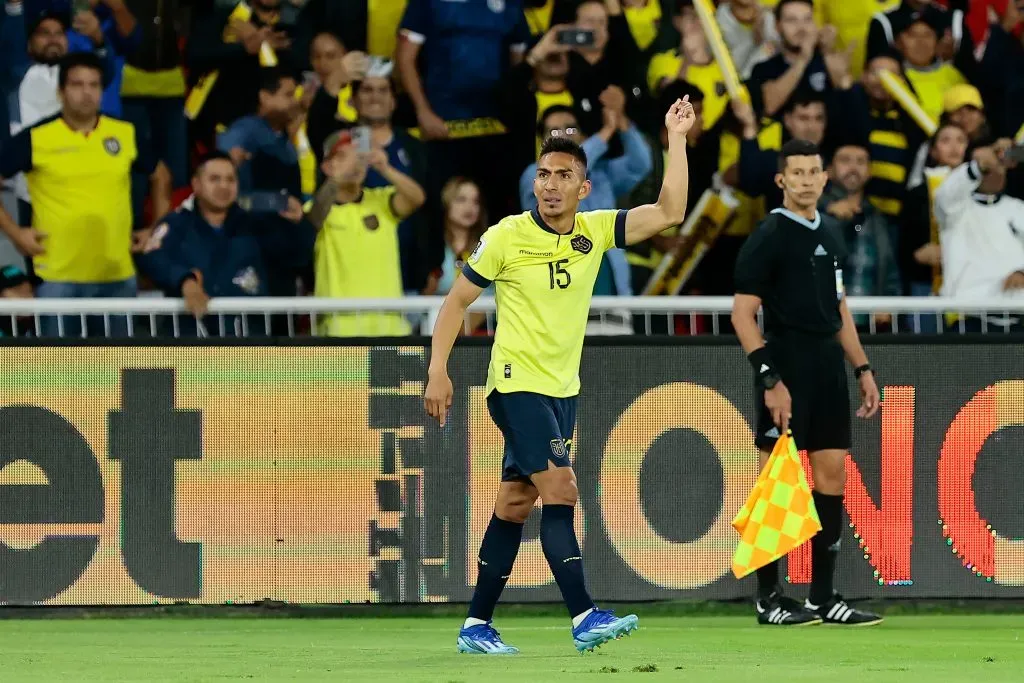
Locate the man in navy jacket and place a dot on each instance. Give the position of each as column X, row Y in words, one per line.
column 214, row 248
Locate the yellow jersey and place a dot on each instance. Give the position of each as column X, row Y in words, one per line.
column 708, row 77
column 383, row 18
column 80, row 184
column 930, row 84
column 356, row 257
column 543, row 283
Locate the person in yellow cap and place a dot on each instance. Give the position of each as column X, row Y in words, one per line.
column 963, row 105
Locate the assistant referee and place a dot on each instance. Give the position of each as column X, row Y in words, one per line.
column 792, row 266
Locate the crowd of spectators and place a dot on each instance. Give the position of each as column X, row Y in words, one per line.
column 358, row 148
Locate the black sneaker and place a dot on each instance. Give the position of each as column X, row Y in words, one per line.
column 778, row 610
column 837, row 611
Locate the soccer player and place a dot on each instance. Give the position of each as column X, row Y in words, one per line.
column 543, row 264
column 792, row 265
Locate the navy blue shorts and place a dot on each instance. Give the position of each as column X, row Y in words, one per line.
column 537, row 429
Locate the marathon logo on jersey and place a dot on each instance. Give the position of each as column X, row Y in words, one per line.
column 558, row 448
column 508, row 371
column 371, row 222
column 475, row 256
column 112, row 146
column 581, row 244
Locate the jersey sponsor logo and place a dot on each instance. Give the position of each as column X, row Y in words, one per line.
column 527, row 252
column 479, row 249
column 764, row 368
column 371, row 222
column 558, row 447
column 581, row 244
column 112, row 146
column 772, row 433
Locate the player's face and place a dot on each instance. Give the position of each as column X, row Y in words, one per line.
column 950, row 146
column 795, row 24
column 872, row 83
column 216, row 184
column 560, row 184
column 803, row 180
column 851, row 168
column 807, row 122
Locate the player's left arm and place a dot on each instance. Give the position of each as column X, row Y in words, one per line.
column 644, row 222
column 855, row 355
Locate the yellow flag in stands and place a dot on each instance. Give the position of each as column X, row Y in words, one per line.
column 779, row 514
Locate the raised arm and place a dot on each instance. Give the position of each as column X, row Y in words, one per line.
column 646, row 221
column 409, row 195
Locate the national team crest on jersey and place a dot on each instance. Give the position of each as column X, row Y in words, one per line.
column 581, row 244
column 112, row 146
column 558, row 448
column 371, row 222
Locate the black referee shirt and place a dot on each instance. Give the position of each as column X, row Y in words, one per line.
column 795, row 267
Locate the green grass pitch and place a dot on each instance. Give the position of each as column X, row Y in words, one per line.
column 382, row 649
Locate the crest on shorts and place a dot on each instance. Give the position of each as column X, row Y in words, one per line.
column 371, row 222
column 558, row 447
column 496, row 6
column 112, row 146
column 581, row 244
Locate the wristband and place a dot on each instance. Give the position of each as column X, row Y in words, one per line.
column 761, row 360
column 860, row 370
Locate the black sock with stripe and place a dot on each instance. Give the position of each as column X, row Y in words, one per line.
column 562, row 550
column 825, row 547
column 498, row 552
column 767, row 580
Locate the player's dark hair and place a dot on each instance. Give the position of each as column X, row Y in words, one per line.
column 677, row 90
column 215, row 155
column 271, row 77
column 555, row 109
column 564, row 146
column 783, row 3
column 78, row 60
column 797, row 148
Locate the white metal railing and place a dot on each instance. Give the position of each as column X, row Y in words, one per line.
column 149, row 316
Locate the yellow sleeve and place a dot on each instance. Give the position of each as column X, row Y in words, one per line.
column 486, row 262
column 607, row 227
column 381, row 199
column 663, row 65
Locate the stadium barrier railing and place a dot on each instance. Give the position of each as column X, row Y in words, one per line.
column 150, row 317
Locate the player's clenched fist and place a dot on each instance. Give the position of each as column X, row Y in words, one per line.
column 438, row 396
column 680, row 117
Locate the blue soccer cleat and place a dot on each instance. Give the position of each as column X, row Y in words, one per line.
column 482, row 639
column 599, row 627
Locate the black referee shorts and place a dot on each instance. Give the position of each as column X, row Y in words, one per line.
column 814, row 371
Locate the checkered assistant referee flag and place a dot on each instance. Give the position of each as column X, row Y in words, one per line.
column 779, row 514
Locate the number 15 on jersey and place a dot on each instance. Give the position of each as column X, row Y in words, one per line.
column 558, row 275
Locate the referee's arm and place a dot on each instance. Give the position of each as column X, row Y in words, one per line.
column 850, row 341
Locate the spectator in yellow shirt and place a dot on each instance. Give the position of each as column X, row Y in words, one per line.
column 929, row 76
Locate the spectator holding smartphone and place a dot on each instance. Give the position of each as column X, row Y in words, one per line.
column 357, row 253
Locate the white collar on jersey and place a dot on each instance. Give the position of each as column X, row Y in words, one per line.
column 810, row 225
